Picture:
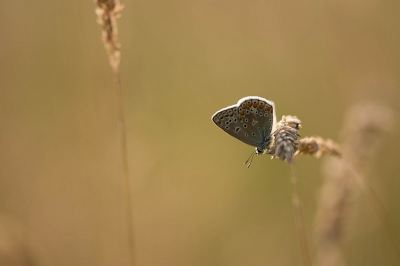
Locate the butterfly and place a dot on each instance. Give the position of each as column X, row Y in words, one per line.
column 250, row 120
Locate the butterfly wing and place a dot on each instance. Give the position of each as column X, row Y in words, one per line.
column 260, row 111
column 250, row 120
column 228, row 120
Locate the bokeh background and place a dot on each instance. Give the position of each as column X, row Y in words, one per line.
column 62, row 194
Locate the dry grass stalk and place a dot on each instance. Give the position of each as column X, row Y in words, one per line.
column 108, row 12
column 286, row 145
column 363, row 131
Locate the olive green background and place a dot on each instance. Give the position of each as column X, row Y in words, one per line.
column 194, row 202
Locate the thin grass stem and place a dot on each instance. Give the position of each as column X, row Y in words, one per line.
column 108, row 13
column 298, row 217
column 124, row 151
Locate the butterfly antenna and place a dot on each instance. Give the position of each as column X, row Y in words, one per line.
column 250, row 159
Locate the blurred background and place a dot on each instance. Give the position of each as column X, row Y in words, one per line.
column 62, row 193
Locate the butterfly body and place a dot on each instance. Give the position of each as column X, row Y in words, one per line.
column 250, row 121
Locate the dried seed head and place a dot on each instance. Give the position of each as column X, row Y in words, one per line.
column 285, row 136
column 108, row 12
column 318, row 146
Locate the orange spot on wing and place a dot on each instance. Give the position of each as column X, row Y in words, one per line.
column 255, row 104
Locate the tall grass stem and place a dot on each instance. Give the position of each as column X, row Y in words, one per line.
column 124, row 150
column 108, row 12
column 298, row 216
